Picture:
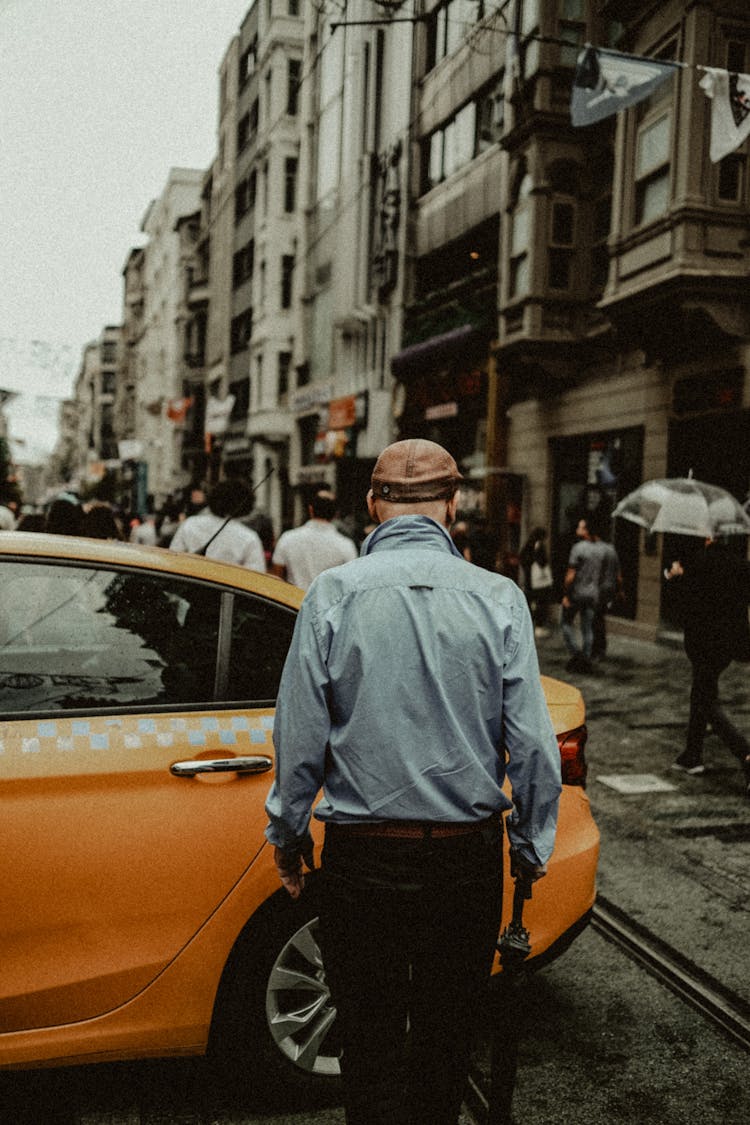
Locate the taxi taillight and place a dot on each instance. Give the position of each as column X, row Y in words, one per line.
column 572, row 745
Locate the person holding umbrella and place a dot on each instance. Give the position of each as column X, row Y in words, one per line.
column 714, row 587
column 715, row 593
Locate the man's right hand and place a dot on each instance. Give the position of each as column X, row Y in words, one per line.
column 522, row 868
column 289, row 866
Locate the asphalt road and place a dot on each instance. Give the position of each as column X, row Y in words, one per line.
column 600, row 1042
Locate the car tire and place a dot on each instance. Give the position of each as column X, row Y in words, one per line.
column 274, row 1023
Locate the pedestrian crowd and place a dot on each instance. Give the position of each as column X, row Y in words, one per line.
column 712, row 585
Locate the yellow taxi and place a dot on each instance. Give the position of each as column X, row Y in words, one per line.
column 141, row 910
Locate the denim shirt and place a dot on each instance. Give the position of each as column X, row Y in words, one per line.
column 411, row 675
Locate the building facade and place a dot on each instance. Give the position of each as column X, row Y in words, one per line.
column 157, row 356
column 577, row 317
column 353, row 246
column 403, row 234
column 90, row 451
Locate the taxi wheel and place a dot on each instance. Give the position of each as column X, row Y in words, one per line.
column 275, row 1023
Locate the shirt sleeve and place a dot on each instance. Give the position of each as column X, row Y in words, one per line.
column 253, row 556
column 176, row 543
column 279, row 551
column 300, row 734
column 533, row 754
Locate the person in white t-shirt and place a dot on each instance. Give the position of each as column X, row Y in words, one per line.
column 305, row 552
column 216, row 531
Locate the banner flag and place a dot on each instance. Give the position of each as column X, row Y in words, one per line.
column 606, row 82
column 730, row 110
column 217, row 414
column 177, row 408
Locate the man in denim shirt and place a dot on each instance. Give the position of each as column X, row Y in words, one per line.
column 410, row 690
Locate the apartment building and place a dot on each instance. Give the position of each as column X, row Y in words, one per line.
column 255, row 217
column 94, row 392
column 353, row 245
column 577, row 317
column 156, row 350
column 624, row 271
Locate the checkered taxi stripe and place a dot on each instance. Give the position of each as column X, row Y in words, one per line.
column 238, row 732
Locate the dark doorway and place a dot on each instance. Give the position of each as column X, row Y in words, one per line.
column 716, row 448
column 592, row 473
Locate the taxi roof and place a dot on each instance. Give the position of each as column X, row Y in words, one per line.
column 111, row 552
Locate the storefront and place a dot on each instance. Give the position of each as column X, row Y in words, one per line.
column 327, row 438
column 592, row 472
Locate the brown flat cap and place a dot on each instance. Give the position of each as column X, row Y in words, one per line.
column 415, row 470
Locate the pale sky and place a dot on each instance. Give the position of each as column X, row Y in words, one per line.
column 98, row 100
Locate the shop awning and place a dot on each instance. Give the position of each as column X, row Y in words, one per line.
column 466, row 344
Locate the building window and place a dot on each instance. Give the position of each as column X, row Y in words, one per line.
column 290, row 184
column 243, row 263
column 652, row 178
column 520, row 235
column 287, row 276
column 284, row 367
column 240, row 388
column 449, row 26
column 109, row 382
column 491, row 111
column 731, row 178
column 268, row 86
column 244, row 196
column 259, row 381
column 293, row 7
column 572, row 30
column 653, row 149
column 600, row 250
column 731, row 170
column 736, row 57
column 560, row 252
column 477, row 126
column 263, row 285
column 248, row 60
column 241, row 331
column 528, row 49
column 243, row 131
column 294, row 70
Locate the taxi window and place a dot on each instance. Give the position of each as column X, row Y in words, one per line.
column 83, row 638
column 261, row 635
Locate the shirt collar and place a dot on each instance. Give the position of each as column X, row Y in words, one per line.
column 409, row 531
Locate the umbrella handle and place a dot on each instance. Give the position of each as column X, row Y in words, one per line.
column 514, row 945
column 521, row 893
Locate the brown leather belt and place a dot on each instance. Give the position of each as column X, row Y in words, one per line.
column 409, row 829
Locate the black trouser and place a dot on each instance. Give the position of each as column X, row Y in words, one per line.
column 599, row 630
column 408, row 932
column 704, row 709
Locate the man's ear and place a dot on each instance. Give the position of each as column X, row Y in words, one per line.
column 452, row 510
column 371, row 507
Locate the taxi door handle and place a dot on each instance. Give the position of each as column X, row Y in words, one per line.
column 254, row 764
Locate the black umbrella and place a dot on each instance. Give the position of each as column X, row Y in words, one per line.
column 514, row 947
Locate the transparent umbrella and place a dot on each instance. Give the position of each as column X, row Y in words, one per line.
column 684, row 506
